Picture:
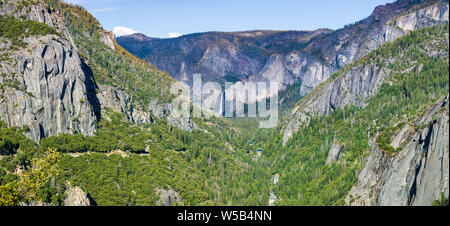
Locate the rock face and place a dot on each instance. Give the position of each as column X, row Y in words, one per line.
column 354, row 87
column 335, row 153
column 223, row 58
column 368, row 188
column 386, row 23
column 162, row 110
column 362, row 81
column 168, row 198
column 52, row 90
column 417, row 175
column 118, row 100
column 217, row 56
column 308, row 69
column 109, row 40
column 50, row 95
column 76, row 197
column 287, row 57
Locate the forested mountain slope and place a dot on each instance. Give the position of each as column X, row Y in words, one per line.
column 378, row 97
column 84, row 122
column 69, row 87
column 363, row 82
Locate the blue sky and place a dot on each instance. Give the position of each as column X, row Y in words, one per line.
column 159, row 18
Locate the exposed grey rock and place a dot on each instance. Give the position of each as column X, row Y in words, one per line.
column 363, row 81
column 275, row 71
column 223, row 58
column 76, row 197
column 118, row 100
column 32, row 12
column 433, row 176
column 158, row 110
column 168, row 198
column 334, row 153
column 307, row 69
column 109, row 40
column 163, row 111
column 354, row 87
column 415, row 176
column 402, row 137
column 365, row 193
column 387, row 23
column 50, row 96
column 423, row 17
column 184, row 123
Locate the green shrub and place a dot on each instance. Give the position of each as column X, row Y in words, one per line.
column 16, row 30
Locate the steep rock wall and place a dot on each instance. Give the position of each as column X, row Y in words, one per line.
column 50, row 92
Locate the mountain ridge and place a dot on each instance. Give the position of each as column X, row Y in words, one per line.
column 306, row 61
column 380, row 118
column 330, row 101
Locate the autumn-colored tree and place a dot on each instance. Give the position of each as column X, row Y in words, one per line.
column 30, row 181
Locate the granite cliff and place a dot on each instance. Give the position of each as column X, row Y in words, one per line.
column 418, row 174
column 355, row 84
column 50, row 92
column 48, row 83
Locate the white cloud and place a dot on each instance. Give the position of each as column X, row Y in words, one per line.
column 175, row 35
column 122, row 31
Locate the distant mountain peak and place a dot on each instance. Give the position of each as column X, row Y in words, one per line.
column 138, row 37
